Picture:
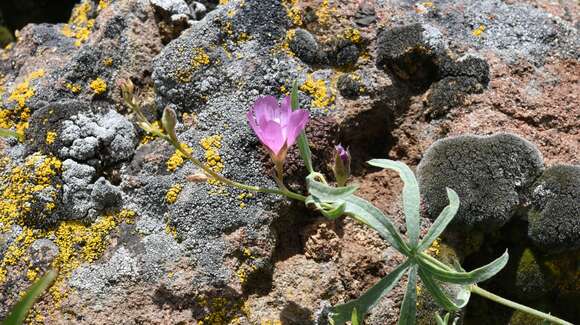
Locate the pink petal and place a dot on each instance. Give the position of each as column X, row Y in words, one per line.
column 252, row 121
column 265, row 109
column 296, row 124
column 272, row 136
column 285, row 110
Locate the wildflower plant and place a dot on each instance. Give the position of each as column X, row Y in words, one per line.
column 278, row 127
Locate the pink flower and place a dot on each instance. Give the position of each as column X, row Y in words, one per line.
column 277, row 126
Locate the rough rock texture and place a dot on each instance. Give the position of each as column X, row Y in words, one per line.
column 141, row 236
column 490, row 175
column 554, row 219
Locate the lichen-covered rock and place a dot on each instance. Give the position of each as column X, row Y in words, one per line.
column 554, row 218
column 490, row 174
column 306, row 47
column 93, row 134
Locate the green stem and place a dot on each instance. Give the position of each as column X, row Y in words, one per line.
column 229, row 182
column 486, row 294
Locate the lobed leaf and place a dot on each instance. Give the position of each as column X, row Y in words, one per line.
column 409, row 307
column 20, row 310
column 303, row 146
column 342, row 313
column 441, row 297
column 411, row 197
column 478, row 275
column 365, row 212
column 441, row 222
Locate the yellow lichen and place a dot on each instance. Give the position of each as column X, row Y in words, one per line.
column 220, row 310
column 353, row 35
column 200, row 58
column 74, row 88
column 243, row 198
column 173, row 193
column 103, row 4
column 177, row 159
column 321, row 96
column 323, row 13
column 156, row 126
column 478, row 31
column 211, row 146
column 294, row 12
column 50, row 137
column 17, row 118
column 80, row 25
column 435, row 248
column 98, row 86
column 223, row 2
column 107, row 62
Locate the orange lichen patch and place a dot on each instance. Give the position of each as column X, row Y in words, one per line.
column 98, row 86
column 22, row 92
column 322, row 97
column 223, row 2
column 173, row 193
column 478, row 31
column 211, row 145
column 177, row 159
column 74, row 88
column 80, row 25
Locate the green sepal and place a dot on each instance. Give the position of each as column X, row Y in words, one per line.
column 303, row 146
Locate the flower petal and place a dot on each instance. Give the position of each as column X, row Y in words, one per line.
column 266, row 109
column 296, row 124
column 285, row 111
column 272, row 136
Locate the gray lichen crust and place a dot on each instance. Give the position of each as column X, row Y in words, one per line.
column 489, row 173
column 554, row 219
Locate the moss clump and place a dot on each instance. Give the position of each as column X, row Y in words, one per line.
column 532, row 281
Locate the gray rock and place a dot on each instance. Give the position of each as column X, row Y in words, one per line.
column 554, row 219
column 172, row 7
column 105, row 195
column 43, row 252
column 490, row 174
column 77, row 188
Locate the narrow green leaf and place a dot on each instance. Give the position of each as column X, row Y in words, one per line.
column 342, row 313
column 328, row 193
column 5, row 133
column 411, row 197
column 303, row 146
column 354, row 317
column 409, row 307
column 365, row 212
column 441, row 297
column 331, row 210
column 20, row 310
column 478, row 275
column 441, row 222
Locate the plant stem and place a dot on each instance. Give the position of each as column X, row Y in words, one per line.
column 229, row 182
column 486, row 294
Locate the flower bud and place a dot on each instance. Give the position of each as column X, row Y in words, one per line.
column 168, row 121
column 127, row 89
column 341, row 166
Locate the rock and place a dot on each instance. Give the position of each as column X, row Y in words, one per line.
column 106, row 196
column 350, row 86
column 450, row 92
column 532, row 280
column 306, row 47
column 43, row 252
column 411, row 52
column 490, row 174
column 554, row 217
column 78, row 178
column 341, row 52
column 172, row 7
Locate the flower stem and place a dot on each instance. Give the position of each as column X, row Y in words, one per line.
column 486, row 294
column 284, row 191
